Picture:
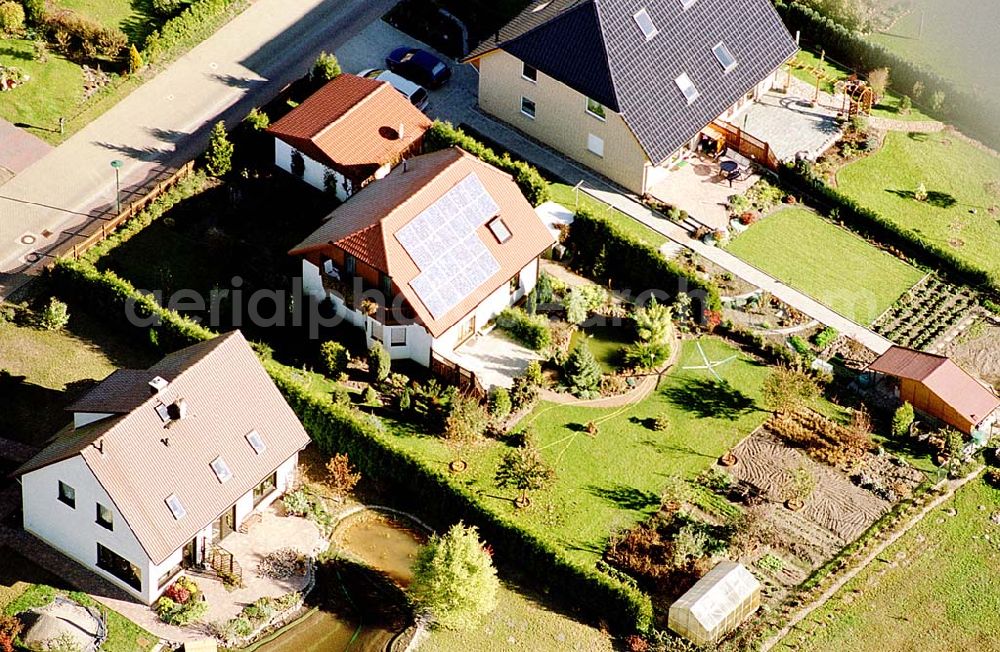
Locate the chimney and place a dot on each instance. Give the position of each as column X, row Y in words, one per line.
column 157, row 385
column 177, row 410
column 401, row 131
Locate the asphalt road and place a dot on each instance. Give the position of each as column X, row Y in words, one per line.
column 165, row 122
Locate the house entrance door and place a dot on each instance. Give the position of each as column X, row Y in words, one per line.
column 225, row 526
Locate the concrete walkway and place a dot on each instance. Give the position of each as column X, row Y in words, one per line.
column 166, row 121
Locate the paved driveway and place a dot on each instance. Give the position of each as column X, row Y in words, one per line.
column 166, row 121
column 18, row 150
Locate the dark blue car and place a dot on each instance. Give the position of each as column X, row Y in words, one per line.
column 418, row 66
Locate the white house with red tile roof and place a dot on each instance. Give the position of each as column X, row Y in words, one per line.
column 351, row 131
column 161, row 464
column 438, row 248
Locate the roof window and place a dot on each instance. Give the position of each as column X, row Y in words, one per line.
column 724, row 57
column 221, row 469
column 687, row 87
column 175, row 506
column 645, row 23
column 499, row 230
column 256, row 442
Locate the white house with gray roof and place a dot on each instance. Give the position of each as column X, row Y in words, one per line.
column 623, row 86
column 160, row 465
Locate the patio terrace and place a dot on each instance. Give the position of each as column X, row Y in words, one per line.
column 696, row 186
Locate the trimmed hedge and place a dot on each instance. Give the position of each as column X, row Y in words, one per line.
column 336, row 428
column 607, row 254
column 875, row 226
column 974, row 112
column 531, row 182
column 198, row 21
column 531, row 330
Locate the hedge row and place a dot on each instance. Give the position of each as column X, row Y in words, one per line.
column 605, row 253
column 530, row 330
column 874, row 225
column 974, row 112
column 337, row 428
column 198, row 21
column 531, row 182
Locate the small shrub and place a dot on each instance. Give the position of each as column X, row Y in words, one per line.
column 581, row 373
column 715, row 480
column 10, row 627
column 379, row 363
column 533, row 373
column 523, row 394
column 370, row 397
column 181, row 604
column 902, row 420
column 34, row 11
column 55, row 316
column 257, row 119
column 11, row 17
column 340, row 395
column 134, row 60
column 168, row 7
column 524, row 469
column 800, row 345
column 825, row 337
column 296, row 502
column 661, row 423
column 341, row 475
column 920, row 194
column 466, row 422
column 219, row 156
column 335, row 357
column 325, row 68
column 905, row 105
column 500, row 404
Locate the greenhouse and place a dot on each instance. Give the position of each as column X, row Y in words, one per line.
column 716, row 605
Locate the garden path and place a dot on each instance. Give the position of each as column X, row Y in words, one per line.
column 951, row 487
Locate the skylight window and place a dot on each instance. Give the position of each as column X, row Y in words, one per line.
column 221, row 469
column 499, row 230
column 175, row 506
column 724, row 56
column 256, row 442
column 687, row 87
column 685, row 4
column 645, row 23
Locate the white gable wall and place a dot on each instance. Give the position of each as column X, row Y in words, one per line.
column 314, row 173
column 75, row 532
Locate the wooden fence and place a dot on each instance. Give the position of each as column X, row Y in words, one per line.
column 106, row 223
column 748, row 146
column 455, row 374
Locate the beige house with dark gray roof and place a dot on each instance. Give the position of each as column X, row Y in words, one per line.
column 160, row 465
column 623, row 86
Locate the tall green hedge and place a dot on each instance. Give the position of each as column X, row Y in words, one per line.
column 974, row 111
column 876, row 226
column 531, row 182
column 606, row 253
column 336, row 428
column 198, row 21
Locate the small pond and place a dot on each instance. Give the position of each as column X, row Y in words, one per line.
column 355, row 609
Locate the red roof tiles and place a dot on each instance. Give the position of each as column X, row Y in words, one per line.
column 352, row 125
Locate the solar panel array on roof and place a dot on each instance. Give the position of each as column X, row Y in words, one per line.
column 443, row 242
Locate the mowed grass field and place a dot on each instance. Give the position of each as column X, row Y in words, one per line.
column 613, row 480
column 959, row 39
column 934, row 590
column 830, row 264
column 956, row 175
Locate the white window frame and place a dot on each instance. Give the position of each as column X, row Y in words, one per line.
column 715, row 50
column 175, row 506
column 681, row 85
column 525, row 66
column 253, row 436
column 602, row 118
column 592, row 147
column 643, row 15
column 222, row 471
column 534, row 107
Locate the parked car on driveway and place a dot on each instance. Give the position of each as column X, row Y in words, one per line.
column 419, row 66
column 413, row 92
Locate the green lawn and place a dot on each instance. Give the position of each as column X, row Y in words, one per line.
column 612, row 481
column 887, row 108
column 826, row 262
column 520, row 621
column 25, row 585
column 954, row 173
column 55, row 89
column 934, row 590
column 565, row 195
